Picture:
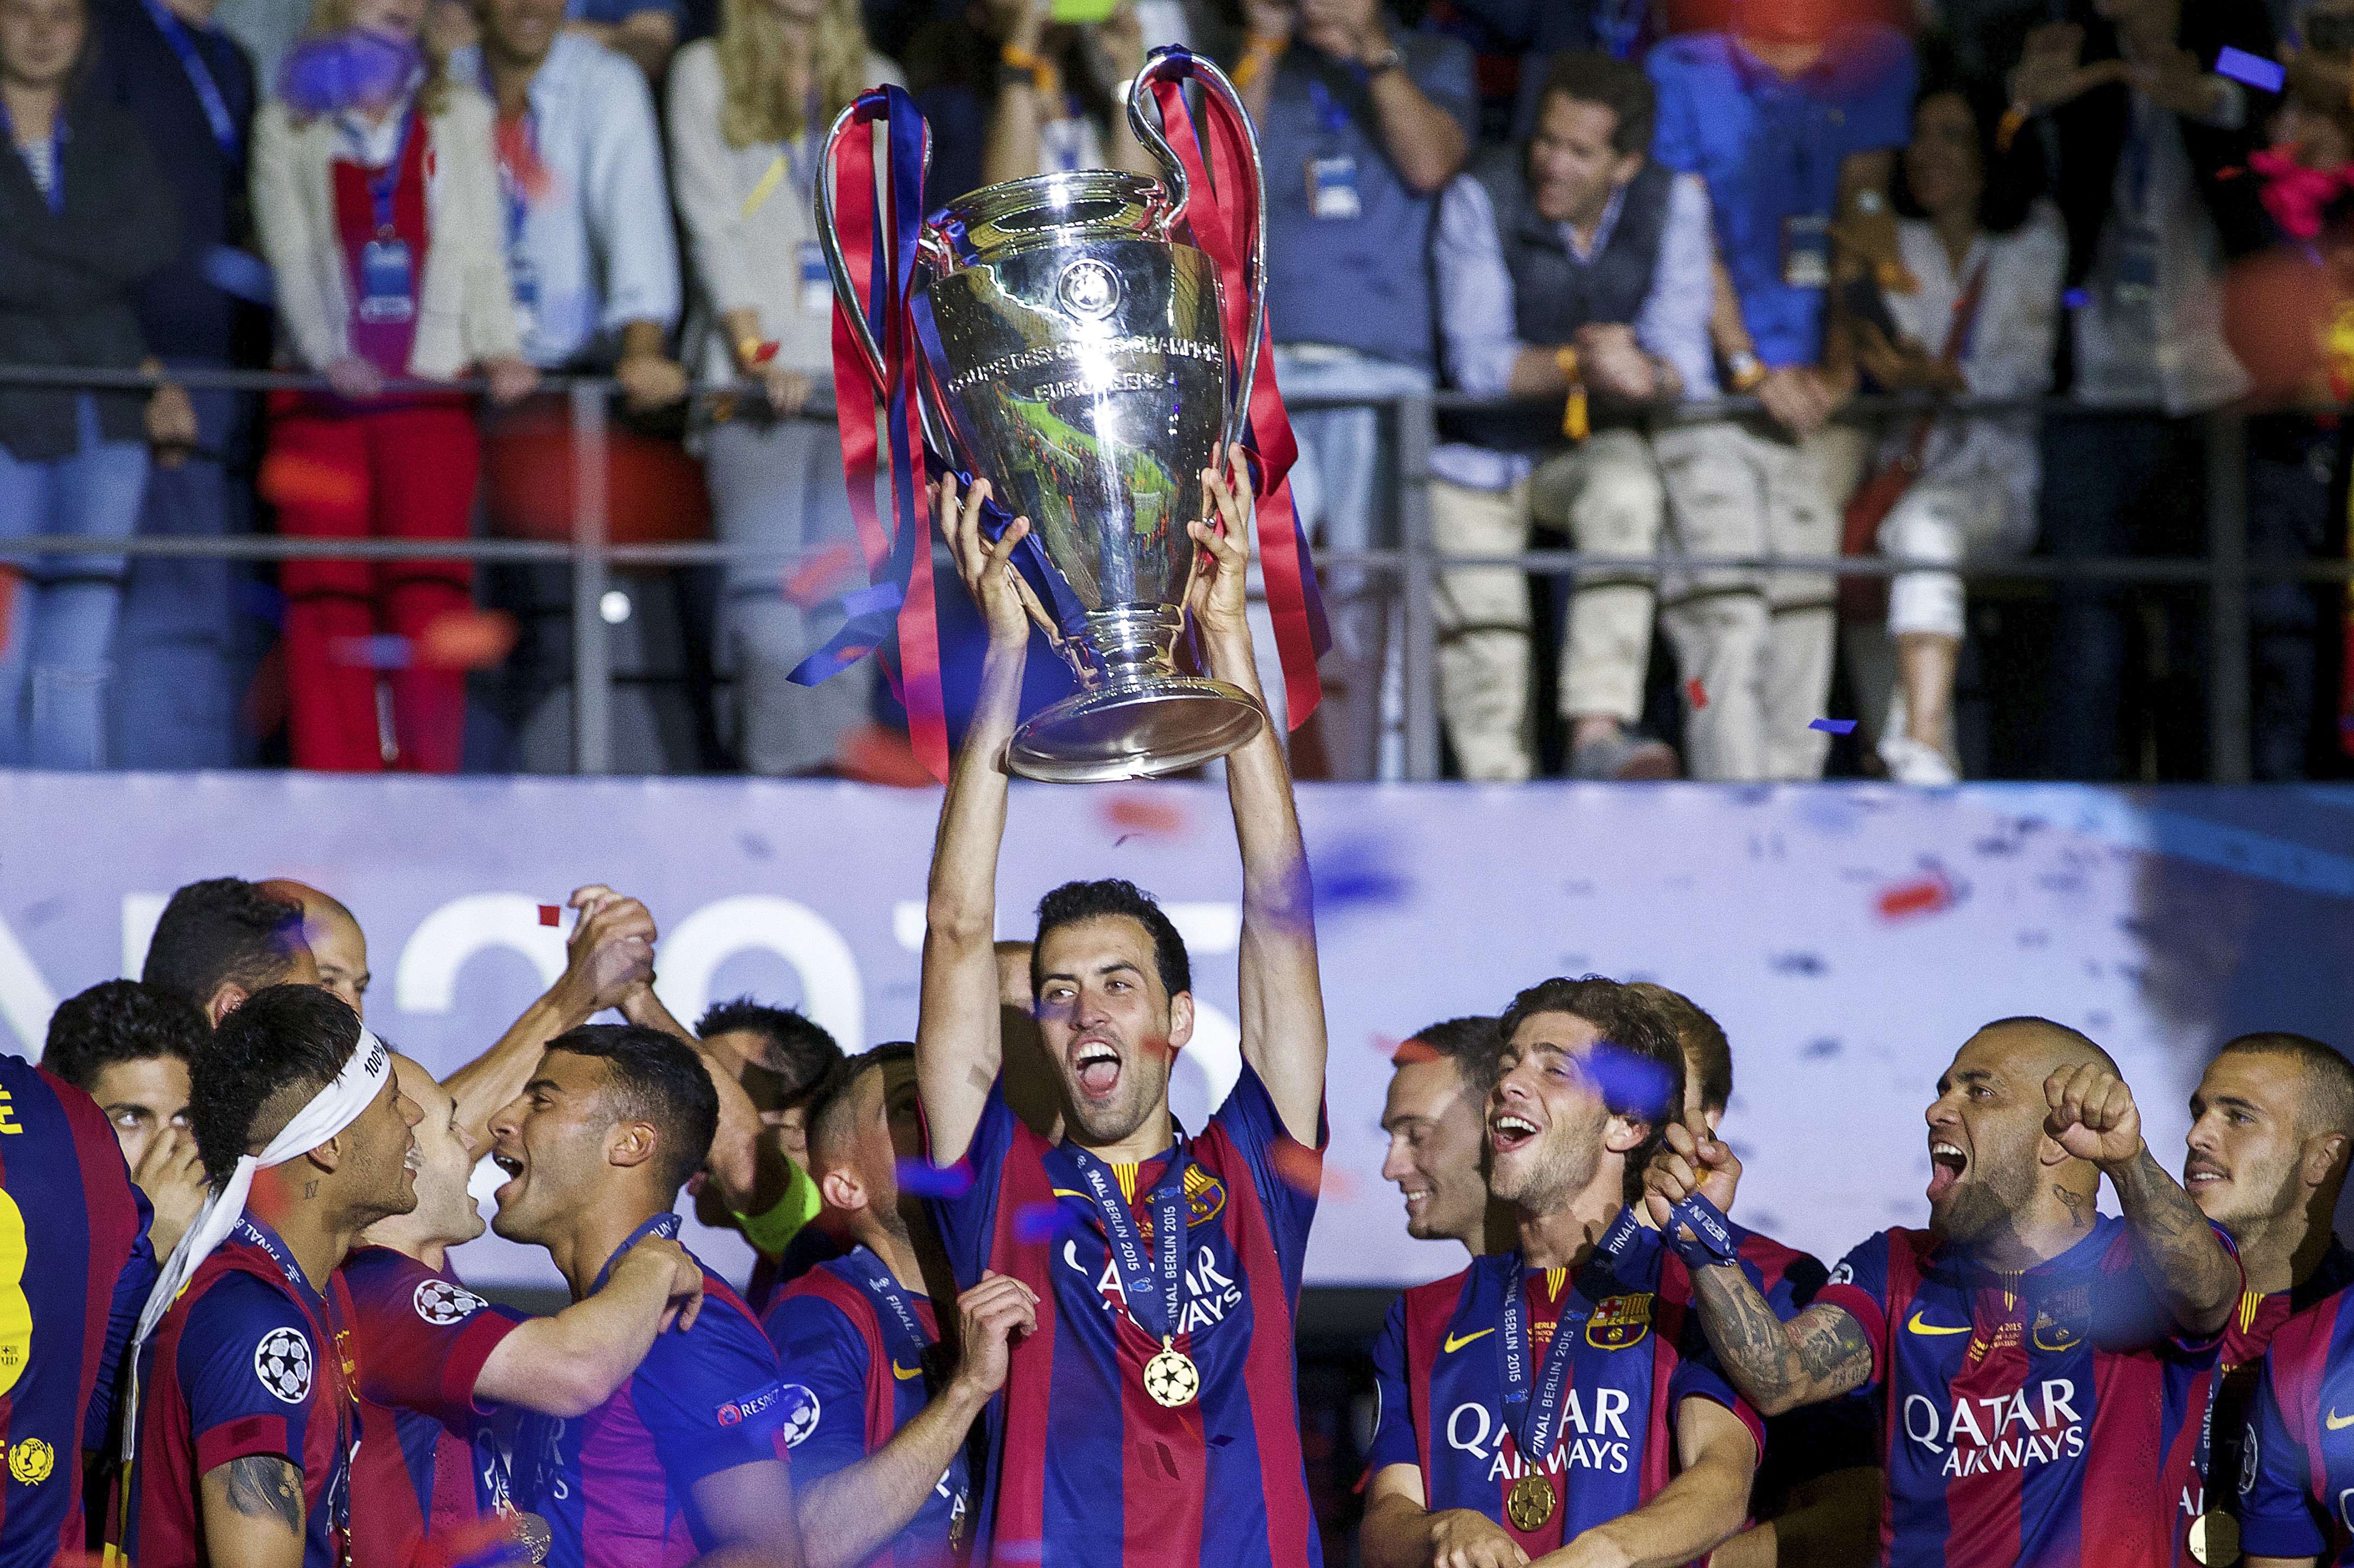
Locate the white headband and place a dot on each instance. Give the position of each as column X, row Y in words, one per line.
column 331, row 1111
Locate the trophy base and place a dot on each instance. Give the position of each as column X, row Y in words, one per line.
column 1135, row 729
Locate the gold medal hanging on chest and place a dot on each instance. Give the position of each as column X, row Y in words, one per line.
column 531, row 1533
column 1170, row 1377
column 1529, row 1503
column 2214, row 1540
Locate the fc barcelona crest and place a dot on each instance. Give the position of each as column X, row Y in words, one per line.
column 1618, row 1321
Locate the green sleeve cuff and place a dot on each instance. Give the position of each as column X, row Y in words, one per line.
column 771, row 1233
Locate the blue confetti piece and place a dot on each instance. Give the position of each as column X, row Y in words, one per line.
column 926, row 1180
column 1035, row 1223
column 867, row 601
column 385, row 650
column 2075, row 299
column 1357, row 874
column 1832, row 727
column 2263, row 75
column 1631, row 1083
column 237, row 272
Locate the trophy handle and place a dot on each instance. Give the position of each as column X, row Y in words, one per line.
column 1171, row 63
column 845, row 292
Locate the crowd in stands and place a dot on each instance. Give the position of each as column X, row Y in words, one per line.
column 1600, row 208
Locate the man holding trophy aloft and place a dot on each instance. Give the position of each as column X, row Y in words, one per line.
column 1092, row 347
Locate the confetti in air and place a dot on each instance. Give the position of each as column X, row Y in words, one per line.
column 926, row 1180
column 1695, row 693
column 1033, row 1224
column 1140, row 815
column 1832, row 727
column 548, row 913
column 2263, row 75
column 1629, row 1081
column 1932, row 893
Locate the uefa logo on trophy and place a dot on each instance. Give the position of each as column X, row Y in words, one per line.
column 1075, row 357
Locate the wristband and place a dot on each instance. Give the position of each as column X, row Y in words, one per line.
column 1710, row 1242
column 772, row 1232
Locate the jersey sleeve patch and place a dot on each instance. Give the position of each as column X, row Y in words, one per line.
column 1858, row 1286
column 248, row 1369
column 713, row 1398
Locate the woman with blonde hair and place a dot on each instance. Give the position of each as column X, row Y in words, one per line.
column 376, row 191
column 748, row 113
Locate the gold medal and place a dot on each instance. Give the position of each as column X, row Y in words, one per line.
column 531, row 1533
column 2214, row 1539
column 1170, row 1377
column 1530, row 1503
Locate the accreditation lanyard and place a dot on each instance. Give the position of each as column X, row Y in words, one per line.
column 517, row 162
column 1532, row 1396
column 1150, row 1282
column 385, row 183
column 891, row 1309
column 200, row 76
column 339, row 1485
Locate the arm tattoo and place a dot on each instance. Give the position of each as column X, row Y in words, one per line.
column 1819, row 1355
column 2191, row 1270
column 264, row 1485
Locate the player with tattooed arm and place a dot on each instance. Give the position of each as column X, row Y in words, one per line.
column 2019, row 1351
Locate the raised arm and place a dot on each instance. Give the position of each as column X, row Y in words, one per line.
column 958, row 1052
column 1282, row 998
column 569, row 1364
column 847, row 1516
column 1702, row 1506
column 611, row 951
column 2193, row 1274
column 253, row 1512
column 1819, row 1355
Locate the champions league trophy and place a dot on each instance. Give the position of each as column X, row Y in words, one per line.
column 1076, row 361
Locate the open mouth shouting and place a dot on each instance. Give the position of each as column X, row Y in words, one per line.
column 511, row 1160
column 1946, row 1162
column 1094, row 1067
column 2199, row 1174
column 1509, row 1130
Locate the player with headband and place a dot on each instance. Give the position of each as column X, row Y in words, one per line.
column 243, row 1444
column 1154, row 1415
column 1557, row 1401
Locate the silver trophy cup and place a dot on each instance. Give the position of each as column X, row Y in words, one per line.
column 1088, row 378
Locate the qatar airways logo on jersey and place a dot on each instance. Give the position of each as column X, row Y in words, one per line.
column 1999, row 1432
column 1603, row 1444
column 1209, row 1295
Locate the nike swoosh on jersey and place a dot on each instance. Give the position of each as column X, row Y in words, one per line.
column 2337, row 1420
column 1918, row 1327
column 1453, row 1344
column 904, row 1373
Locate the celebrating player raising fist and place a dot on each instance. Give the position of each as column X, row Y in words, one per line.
column 1153, row 1418
column 2018, row 1349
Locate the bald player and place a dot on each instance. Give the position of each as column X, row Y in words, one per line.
column 2272, row 1124
column 1818, row 1488
column 1436, row 1120
column 336, row 942
column 2018, row 1350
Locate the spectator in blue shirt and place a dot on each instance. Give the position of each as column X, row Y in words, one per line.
column 1569, row 265
column 1360, row 128
column 1793, row 118
column 178, row 668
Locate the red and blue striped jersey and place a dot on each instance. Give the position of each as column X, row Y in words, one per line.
column 2297, row 1471
column 75, row 1268
column 2023, row 1416
column 2230, row 1387
column 616, row 1486
column 420, row 1338
column 848, row 1394
column 248, row 1361
column 1640, row 1354
column 1086, row 1469
column 1814, row 1439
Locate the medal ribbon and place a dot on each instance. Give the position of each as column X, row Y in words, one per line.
column 892, row 1307
column 1537, row 1428
column 662, row 1225
column 1222, row 217
column 1151, row 1286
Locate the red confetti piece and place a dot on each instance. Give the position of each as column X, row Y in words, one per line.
column 290, row 479
column 2230, row 172
column 467, row 639
column 1305, row 1170
column 765, row 353
column 1135, row 813
column 813, row 582
column 1695, row 693
column 548, row 913
column 874, row 755
column 1930, row 895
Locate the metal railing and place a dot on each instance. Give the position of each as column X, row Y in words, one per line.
column 1415, row 562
